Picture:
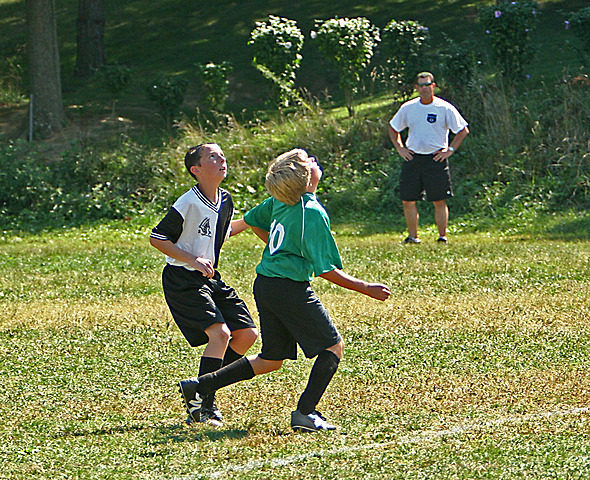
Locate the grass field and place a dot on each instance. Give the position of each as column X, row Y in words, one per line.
column 476, row 367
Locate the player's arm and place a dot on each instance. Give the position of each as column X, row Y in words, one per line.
column 261, row 234
column 455, row 144
column 203, row 265
column 342, row 279
column 238, row 226
column 396, row 139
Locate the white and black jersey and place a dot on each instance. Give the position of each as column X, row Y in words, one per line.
column 197, row 225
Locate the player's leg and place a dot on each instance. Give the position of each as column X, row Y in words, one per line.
column 441, row 217
column 314, row 331
column 411, row 215
column 323, row 370
column 219, row 336
column 196, row 390
column 411, row 190
column 241, row 332
column 240, row 343
column 237, row 318
column 212, row 360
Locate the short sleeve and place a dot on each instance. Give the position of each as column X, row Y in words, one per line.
column 456, row 122
column 399, row 120
column 261, row 215
column 170, row 227
column 318, row 245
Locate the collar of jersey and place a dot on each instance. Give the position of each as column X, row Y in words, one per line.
column 206, row 201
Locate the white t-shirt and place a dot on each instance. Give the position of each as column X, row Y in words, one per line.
column 197, row 225
column 428, row 125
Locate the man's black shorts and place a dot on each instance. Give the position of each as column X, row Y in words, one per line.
column 197, row 302
column 290, row 314
column 422, row 174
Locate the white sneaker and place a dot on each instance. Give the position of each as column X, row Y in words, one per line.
column 309, row 423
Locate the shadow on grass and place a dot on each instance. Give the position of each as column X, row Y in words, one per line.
column 571, row 229
column 181, row 434
column 178, row 433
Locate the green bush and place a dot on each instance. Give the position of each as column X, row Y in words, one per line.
column 403, row 49
column 349, row 44
column 459, row 72
column 117, row 79
column 167, row 92
column 579, row 24
column 214, row 78
column 277, row 45
column 508, row 25
column 78, row 187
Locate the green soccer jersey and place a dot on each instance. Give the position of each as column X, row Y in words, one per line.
column 300, row 243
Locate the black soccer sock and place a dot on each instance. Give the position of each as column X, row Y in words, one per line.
column 208, row 365
column 235, row 372
column 322, row 372
column 230, row 356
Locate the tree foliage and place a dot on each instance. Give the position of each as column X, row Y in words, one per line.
column 508, row 25
column 348, row 43
column 277, row 45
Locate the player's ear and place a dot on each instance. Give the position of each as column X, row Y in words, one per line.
column 195, row 169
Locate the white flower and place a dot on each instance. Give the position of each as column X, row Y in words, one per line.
column 288, row 45
column 313, row 34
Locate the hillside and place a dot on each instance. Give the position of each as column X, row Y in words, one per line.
column 170, row 36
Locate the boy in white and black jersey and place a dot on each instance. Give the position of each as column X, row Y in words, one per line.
column 206, row 310
column 299, row 246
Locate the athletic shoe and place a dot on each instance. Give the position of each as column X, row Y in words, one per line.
column 412, row 240
column 442, row 239
column 313, row 422
column 212, row 416
column 192, row 399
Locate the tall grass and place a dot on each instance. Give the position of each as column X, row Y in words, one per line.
column 528, row 151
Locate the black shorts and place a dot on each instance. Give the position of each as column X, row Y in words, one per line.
column 290, row 314
column 197, row 302
column 422, row 174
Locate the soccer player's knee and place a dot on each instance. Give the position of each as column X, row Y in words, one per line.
column 219, row 332
column 249, row 335
column 338, row 349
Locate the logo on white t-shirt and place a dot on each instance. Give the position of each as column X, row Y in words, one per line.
column 205, row 227
column 431, row 118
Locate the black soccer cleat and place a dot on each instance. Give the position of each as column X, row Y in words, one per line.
column 313, row 422
column 192, row 400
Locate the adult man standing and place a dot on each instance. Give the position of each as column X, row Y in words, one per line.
column 426, row 167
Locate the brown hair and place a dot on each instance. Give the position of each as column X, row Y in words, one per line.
column 425, row 75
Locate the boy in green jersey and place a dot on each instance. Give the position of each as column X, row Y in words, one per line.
column 299, row 246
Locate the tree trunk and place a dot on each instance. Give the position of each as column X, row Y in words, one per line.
column 90, row 37
column 44, row 69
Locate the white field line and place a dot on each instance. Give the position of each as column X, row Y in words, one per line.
column 423, row 437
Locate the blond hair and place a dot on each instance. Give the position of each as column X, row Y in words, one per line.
column 288, row 176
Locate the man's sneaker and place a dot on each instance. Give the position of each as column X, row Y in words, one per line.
column 442, row 239
column 192, row 400
column 309, row 423
column 412, row 240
